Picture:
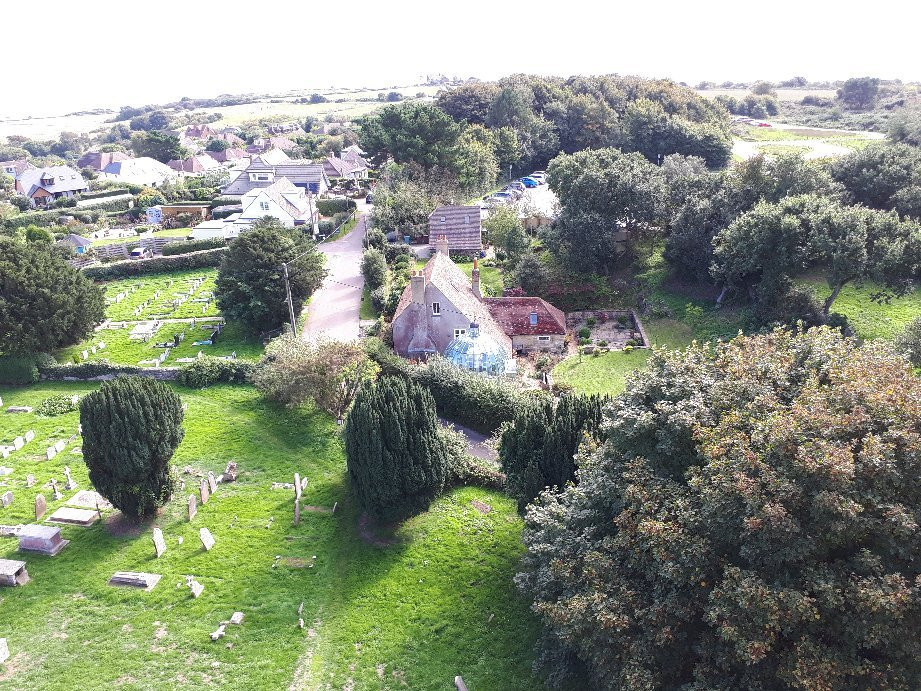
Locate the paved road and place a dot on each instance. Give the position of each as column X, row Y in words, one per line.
column 333, row 311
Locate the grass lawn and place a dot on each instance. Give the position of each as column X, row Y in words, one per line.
column 366, row 310
column 170, row 286
column 437, row 602
column 781, row 149
column 773, row 134
column 346, row 228
column 604, row 373
column 166, row 233
column 490, row 278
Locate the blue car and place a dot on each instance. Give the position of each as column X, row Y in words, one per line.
column 530, row 182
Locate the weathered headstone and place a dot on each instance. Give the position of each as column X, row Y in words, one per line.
column 230, row 472
column 88, row 499
column 55, row 494
column 19, row 409
column 133, row 579
column 204, row 491
column 59, row 445
column 4, row 651
column 217, row 635
column 4, row 471
column 159, row 542
column 297, row 512
column 196, row 587
column 30, row 480
column 13, row 573
column 18, row 443
column 40, row 506
column 212, row 482
column 335, row 506
column 86, row 354
column 50, row 453
column 68, row 516
column 193, row 507
column 297, row 485
column 6, row 499
column 207, row 539
column 70, row 481
column 303, row 483
column 30, row 435
column 237, row 618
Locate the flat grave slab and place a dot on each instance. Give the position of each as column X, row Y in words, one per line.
column 68, row 516
column 135, row 579
column 13, row 573
column 44, row 539
column 87, row 499
column 19, row 409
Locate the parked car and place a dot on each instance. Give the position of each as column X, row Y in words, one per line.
column 514, row 193
column 540, row 177
column 516, row 185
column 503, row 197
column 140, row 253
column 529, row 182
column 764, row 124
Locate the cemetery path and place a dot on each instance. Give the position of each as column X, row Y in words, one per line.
column 333, row 310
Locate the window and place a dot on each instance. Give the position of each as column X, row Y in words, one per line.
column 459, row 332
column 467, row 219
column 533, row 319
column 543, row 338
column 264, row 206
column 444, row 219
column 436, row 309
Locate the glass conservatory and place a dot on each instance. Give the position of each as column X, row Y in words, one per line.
column 477, row 352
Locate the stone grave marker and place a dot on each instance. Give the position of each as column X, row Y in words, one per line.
column 55, row 494
column 196, row 587
column 193, row 507
column 18, row 443
column 30, row 435
column 5, row 451
column 50, row 453
column 230, row 472
column 134, row 579
column 68, row 516
column 204, row 491
column 159, row 542
column 19, row 409
column 88, row 499
column 40, row 506
column 13, row 573
column 217, row 635
column 4, row 651
column 6, row 499
column 85, row 354
column 59, row 445
column 297, row 485
column 237, row 618
column 30, row 480
column 70, row 481
column 297, row 512
column 207, row 539
column 212, row 482
column 45, row 539
column 4, row 471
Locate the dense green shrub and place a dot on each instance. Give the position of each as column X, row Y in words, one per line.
column 909, row 342
column 188, row 246
column 374, row 268
column 127, row 269
column 207, row 370
column 375, row 238
column 91, row 369
column 131, row 427
column 57, row 405
column 380, row 297
column 393, row 251
column 225, row 211
column 328, row 207
column 18, row 370
column 225, row 201
column 584, row 332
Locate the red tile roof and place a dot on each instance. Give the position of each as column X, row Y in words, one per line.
column 514, row 316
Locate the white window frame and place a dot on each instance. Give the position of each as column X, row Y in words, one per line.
column 263, row 206
column 459, row 332
column 436, row 309
column 543, row 338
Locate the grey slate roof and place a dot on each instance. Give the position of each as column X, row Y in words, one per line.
column 75, row 240
column 460, row 224
column 306, row 175
column 63, row 179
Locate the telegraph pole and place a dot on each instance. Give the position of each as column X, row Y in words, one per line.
column 290, row 302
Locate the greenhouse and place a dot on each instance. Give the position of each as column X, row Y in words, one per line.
column 477, row 352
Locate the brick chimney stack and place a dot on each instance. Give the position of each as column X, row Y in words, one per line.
column 417, row 281
column 441, row 245
column 475, row 279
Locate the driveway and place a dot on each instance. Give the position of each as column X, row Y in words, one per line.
column 333, row 311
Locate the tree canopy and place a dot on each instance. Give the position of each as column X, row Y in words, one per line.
column 159, row 145
column 751, row 522
column 410, row 132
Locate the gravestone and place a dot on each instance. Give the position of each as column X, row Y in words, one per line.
column 230, row 472
column 303, row 483
column 18, row 443
column 30, row 480
column 212, row 483
column 297, row 512
column 45, row 539
column 50, row 453
column 159, row 542
column 196, row 587
column 193, row 507
column 70, row 481
column 19, row 409
column 30, row 435
column 68, row 516
column 217, row 635
column 4, row 471
column 134, row 579
column 85, row 354
column 40, row 506
column 6, row 499
column 59, row 445
column 297, row 485
column 237, row 618
column 88, row 499
column 55, row 494
column 204, row 491
column 207, row 539
column 4, row 651
column 13, row 573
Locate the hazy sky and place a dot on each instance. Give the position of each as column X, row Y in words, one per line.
column 76, row 55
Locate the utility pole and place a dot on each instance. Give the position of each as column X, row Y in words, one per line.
column 290, row 302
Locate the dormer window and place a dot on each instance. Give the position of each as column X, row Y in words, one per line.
column 533, row 319
column 264, row 206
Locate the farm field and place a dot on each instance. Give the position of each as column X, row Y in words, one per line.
column 437, row 601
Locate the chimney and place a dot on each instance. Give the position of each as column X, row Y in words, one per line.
column 417, row 280
column 441, row 245
column 475, row 280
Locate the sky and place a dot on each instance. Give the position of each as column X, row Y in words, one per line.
column 100, row 53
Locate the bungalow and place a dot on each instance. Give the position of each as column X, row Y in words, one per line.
column 97, row 160
column 460, row 225
column 43, row 185
column 230, row 138
column 138, row 171
column 342, row 169
column 79, row 243
column 228, row 155
column 308, row 176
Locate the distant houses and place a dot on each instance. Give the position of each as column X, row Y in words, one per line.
column 43, row 185
column 195, row 165
column 311, row 177
column 138, row 171
column 15, row 168
column 78, row 243
column 98, row 160
column 345, row 169
column 460, row 225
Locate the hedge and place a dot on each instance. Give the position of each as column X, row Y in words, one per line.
column 18, row 370
column 225, row 201
column 225, row 211
column 101, row 194
column 49, row 218
column 207, row 370
column 187, row 246
column 142, row 267
column 328, row 207
column 87, row 370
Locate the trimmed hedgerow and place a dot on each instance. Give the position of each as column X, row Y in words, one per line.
column 189, row 246
column 328, row 207
column 206, row 371
column 126, row 269
column 18, row 370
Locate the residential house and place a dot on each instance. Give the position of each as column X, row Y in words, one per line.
column 440, row 304
column 309, row 176
column 460, row 224
column 15, row 168
column 330, row 127
column 97, row 160
column 285, row 128
column 195, row 165
column 230, row 138
column 79, row 243
column 352, row 150
column 342, row 169
column 198, row 132
column 271, row 157
column 262, row 144
column 228, row 155
column 43, row 185
column 138, row 171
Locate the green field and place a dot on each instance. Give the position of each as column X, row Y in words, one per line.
column 490, row 278
column 170, row 286
column 438, row 601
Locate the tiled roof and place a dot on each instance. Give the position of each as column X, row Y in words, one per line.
column 198, row 132
column 140, row 170
column 100, row 159
column 460, row 224
column 62, row 179
column 194, row 164
column 514, row 316
column 340, row 167
column 75, row 240
column 227, row 155
column 301, row 174
column 229, row 137
column 18, row 166
column 444, row 274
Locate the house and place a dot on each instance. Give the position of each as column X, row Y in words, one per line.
column 281, row 200
column 230, row 138
column 271, row 157
column 194, row 165
column 440, row 304
column 460, row 224
column 138, row 171
column 198, row 132
column 97, row 160
column 79, row 243
column 262, row 144
column 342, row 169
column 353, row 150
column 43, row 185
column 228, row 155
column 285, row 128
column 309, row 176
column 15, row 168
column 198, row 210
column 330, row 127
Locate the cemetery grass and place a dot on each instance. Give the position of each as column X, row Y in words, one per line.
column 167, row 284
column 416, row 612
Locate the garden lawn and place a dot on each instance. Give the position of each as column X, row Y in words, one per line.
column 605, row 373
column 165, row 233
column 415, row 613
column 366, row 310
column 490, row 277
